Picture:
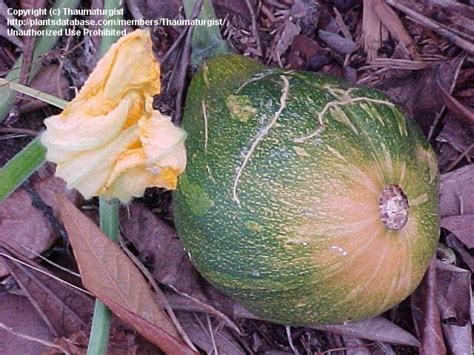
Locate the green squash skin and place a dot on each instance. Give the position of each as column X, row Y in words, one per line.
column 272, row 242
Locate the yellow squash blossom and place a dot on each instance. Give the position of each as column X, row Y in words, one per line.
column 109, row 141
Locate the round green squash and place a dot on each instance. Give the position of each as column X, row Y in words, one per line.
column 306, row 199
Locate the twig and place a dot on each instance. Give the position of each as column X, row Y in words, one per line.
column 254, row 27
column 441, row 111
column 184, row 63
column 290, row 340
column 211, row 334
column 45, row 273
column 175, row 44
column 433, row 25
column 401, row 64
column 25, row 131
column 371, row 28
column 159, row 293
column 28, row 49
column 459, row 158
column 52, row 263
column 392, row 22
column 455, row 106
column 61, row 66
column 203, row 307
column 182, row 71
column 342, row 25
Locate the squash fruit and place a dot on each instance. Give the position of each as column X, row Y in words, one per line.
column 307, row 200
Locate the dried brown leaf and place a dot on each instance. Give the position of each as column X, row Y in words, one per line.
column 154, row 9
column 159, row 245
column 457, row 192
column 34, row 232
column 454, row 298
column 199, row 326
column 456, row 135
column 426, row 314
column 341, row 45
column 378, row 329
column 64, row 309
column 418, row 92
column 355, row 346
column 17, row 313
column 462, row 113
column 153, row 333
column 461, row 250
column 454, row 286
column 111, row 276
column 284, row 40
column 462, row 226
column 458, row 338
column 302, row 52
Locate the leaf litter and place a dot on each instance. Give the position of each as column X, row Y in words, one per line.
column 413, row 53
column 104, row 267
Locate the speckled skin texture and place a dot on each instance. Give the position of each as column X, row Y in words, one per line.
column 278, row 206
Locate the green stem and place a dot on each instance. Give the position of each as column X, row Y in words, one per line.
column 207, row 41
column 43, row 46
column 107, row 41
column 109, row 223
column 100, row 330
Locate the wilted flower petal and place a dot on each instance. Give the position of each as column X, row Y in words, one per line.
column 109, row 141
column 163, row 145
column 128, row 65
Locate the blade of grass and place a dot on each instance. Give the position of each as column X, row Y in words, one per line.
column 44, row 45
column 50, row 99
column 109, row 222
column 18, row 169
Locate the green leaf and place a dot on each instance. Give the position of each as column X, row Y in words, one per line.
column 27, row 161
column 207, row 41
column 18, row 169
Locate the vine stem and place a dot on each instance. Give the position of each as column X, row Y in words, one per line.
column 207, row 41
column 109, row 223
column 100, row 330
